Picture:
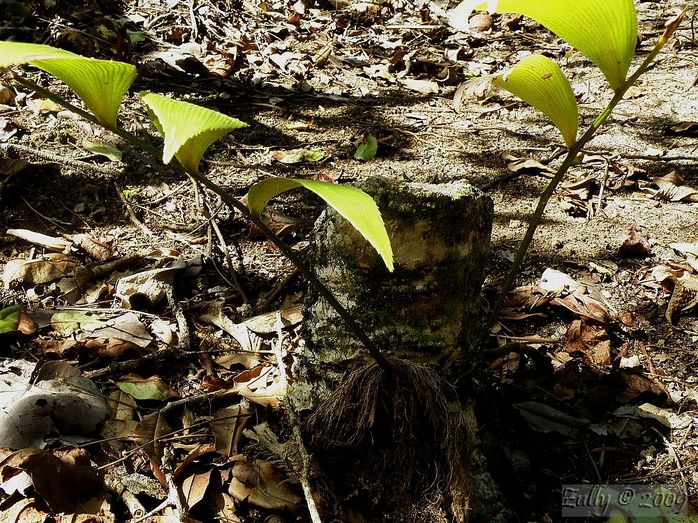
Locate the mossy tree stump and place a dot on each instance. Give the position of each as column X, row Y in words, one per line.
column 422, row 313
column 426, row 308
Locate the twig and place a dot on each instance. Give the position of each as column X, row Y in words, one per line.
column 192, row 16
column 604, row 181
column 124, row 367
column 131, row 214
column 24, row 151
column 295, row 421
column 183, row 335
column 57, row 223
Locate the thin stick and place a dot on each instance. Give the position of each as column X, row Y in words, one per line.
column 131, row 213
column 537, row 215
column 232, row 202
column 295, row 421
column 24, row 151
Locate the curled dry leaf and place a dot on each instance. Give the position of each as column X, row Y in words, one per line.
column 298, row 156
column 635, row 245
column 683, row 298
column 52, row 243
column 421, row 86
column 671, row 188
column 95, row 249
column 544, row 418
column 686, row 248
column 590, row 339
column 580, row 299
column 266, row 323
column 480, row 22
column 263, row 386
column 151, row 429
column 632, row 385
column 153, row 285
column 665, row 417
column 477, row 89
column 25, row 511
column 516, row 164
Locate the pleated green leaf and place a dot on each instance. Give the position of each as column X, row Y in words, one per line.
column 17, row 53
column 188, row 129
column 604, row 30
column 352, row 203
column 538, row 81
column 100, row 84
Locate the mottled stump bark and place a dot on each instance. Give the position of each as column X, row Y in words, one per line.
column 424, row 311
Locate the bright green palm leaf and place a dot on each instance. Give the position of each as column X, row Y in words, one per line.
column 17, row 53
column 352, row 203
column 100, row 84
column 538, row 81
column 188, row 129
column 604, row 30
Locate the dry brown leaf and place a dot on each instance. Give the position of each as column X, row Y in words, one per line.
column 590, row 339
column 225, row 508
column 95, row 249
column 515, row 164
column 262, row 385
column 636, row 384
column 685, row 128
column 266, row 323
column 672, row 188
column 60, row 477
column 262, row 485
column 690, row 249
column 544, row 418
column 248, row 360
column 151, row 429
column 52, row 243
column 227, row 427
column 480, row 22
column 24, row 511
column 214, row 314
column 421, row 86
column 42, row 270
column 477, row 89
column 194, row 487
column 580, row 299
column 528, row 298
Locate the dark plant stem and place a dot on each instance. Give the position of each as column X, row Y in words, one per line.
column 233, row 202
column 536, row 217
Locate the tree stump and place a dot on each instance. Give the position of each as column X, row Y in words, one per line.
column 426, row 308
column 422, row 313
